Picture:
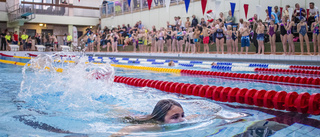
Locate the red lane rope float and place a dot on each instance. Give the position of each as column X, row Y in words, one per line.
column 313, row 82
column 305, row 67
column 311, row 72
column 5, row 55
column 302, row 103
column 32, row 55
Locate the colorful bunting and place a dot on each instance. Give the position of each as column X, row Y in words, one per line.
column 246, row 8
column 167, row 4
column 233, row 6
column 269, row 11
column 281, row 9
column 149, row 3
column 203, row 5
column 186, row 3
column 308, row 10
column 258, row 10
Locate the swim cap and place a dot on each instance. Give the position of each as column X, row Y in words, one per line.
column 146, row 31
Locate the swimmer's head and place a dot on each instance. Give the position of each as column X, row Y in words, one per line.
column 168, row 111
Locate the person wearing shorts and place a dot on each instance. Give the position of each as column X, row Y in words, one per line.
column 245, row 39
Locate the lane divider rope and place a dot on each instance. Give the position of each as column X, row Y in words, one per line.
column 292, row 101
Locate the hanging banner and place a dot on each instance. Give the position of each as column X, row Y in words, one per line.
column 203, row 5
column 308, row 10
column 218, row 4
column 246, row 8
column 186, row 3
column 149, row 3
column 281, row 9
column 75, row 37
column 129, row 2
column 233, row 7
column 300, row 13
column 167, row 4
column 258, row 10
column 290, row 10
column 269, row 11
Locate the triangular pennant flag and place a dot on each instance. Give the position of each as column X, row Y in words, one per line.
column 233, row 7
column 308, row 10
column 290, row 10
column 281, row 9
column 129, row 2
column 258, row 8
column 269, row 11
column 167, row 4
column 149, row 3
column 246, row 8
column 203, row 5
column 217, row 3
column 186, row 3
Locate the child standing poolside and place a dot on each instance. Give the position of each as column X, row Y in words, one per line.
column 235, row 35
column 260, row 37
column 229, row 39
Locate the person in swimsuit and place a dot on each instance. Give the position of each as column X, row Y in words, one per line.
column 169, row 39
column 180, row 41
column 235, row 34
column 55, row 42
column 187, row 42
column 316, row 37
column 161, row 40
column 272, row 35
column 220, row 37
column 174, row 41
column 283, row 34
column 229, row 39
column 289, row 29
column 245, row 40
column 302, row 29
column 196, row 35
column 98, row 42
column 191, row 41
column 115, row 43
column 109, row 41
column 206, row 32
column 166, row 111
column 260, row 37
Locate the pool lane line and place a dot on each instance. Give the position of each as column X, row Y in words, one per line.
column 287, row 79
column 23, row 64
column 292, row 101
column 258, row 65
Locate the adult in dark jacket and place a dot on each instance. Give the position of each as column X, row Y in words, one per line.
column 194, row 21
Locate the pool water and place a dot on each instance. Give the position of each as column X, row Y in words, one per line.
column 35, row 102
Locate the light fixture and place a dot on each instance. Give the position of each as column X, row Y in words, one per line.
column 45, row 25
column 90, row 27
column 40, row 24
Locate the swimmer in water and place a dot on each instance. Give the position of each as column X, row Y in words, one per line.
column 171, row 64
column 166, row 111
column 214, row 64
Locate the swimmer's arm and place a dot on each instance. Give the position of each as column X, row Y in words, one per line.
column 136, row 128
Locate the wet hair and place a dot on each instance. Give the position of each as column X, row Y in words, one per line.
column 158, row 114
column 311, row 3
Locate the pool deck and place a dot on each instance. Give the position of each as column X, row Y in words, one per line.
column 280, row 59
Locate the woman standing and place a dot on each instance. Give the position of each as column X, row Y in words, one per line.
column 174, row 41
column 316, row 36
column 220, row 38
column 169, row 39
column 289, row 29
column 161, row 40
column 180, row 40
column 283, row 34
column 302, row 29
column 272, row 35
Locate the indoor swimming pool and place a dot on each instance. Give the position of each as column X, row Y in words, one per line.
column 78, row 102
